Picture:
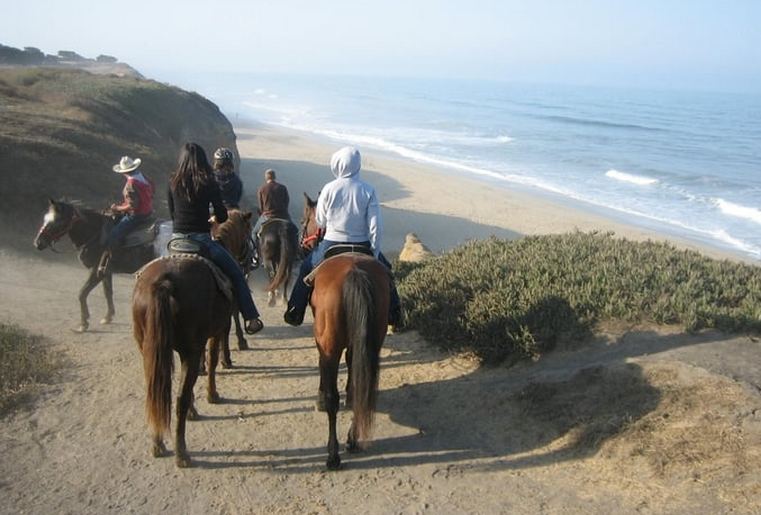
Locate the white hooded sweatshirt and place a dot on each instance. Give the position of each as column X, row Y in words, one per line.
column 347, row 207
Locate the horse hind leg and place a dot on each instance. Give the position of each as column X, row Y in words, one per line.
column 184, row 402
column 242, row 343
column 329, row 387
column 92, row 282
column 214, row 346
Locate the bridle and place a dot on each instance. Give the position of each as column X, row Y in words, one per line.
column 54, row 237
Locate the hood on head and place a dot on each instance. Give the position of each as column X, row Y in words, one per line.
column 346, row 163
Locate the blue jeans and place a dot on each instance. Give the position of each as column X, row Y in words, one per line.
column 123, row 227
column 231, row 268
column 300, row 294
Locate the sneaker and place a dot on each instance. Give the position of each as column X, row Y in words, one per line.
column 253, row 326
column 293, row 317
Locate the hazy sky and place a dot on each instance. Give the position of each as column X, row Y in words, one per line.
column 646, row 43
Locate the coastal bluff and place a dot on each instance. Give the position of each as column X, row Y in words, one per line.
column 61, row 130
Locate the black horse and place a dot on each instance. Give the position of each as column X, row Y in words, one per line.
column 87, row 229
column 278, row 245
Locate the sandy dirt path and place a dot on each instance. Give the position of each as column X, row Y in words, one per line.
column 449, row 438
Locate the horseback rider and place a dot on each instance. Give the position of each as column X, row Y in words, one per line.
column 135, row 208
column 230, row 185
column 349, row 212
column 192, row 189
column 273, row 203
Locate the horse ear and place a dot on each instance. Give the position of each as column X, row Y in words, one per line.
column 248, row 215
column 52, row 202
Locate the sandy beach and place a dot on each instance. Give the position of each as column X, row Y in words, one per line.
column 442, row 208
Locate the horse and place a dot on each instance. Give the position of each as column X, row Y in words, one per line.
column 350, row 304
column 279, row 249
column 177, row 305
column 350, row 307
column 234, row 234
column 86, row 228
column 310, row 233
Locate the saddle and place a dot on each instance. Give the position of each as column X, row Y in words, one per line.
column 271, row 221
column 224, row 283
column 337, row 250
column 143, row 234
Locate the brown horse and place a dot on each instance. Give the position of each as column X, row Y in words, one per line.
column 279, row 250
column 311, row 234
column 85, row 228
column 234, row 234
column 177, row 306
column 350, row 307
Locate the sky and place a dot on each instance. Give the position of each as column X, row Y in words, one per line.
column 663, row 44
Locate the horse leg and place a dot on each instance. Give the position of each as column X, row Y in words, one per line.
column 108, row 291
column 242, row 343
column 92, row 282
column 329, row 387
column 213, row 345
column 188, row 378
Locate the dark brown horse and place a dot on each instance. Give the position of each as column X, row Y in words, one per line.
column 85, row 228
column 279, row 250
column 177, row 306
column 350, row 307
column 234, row 234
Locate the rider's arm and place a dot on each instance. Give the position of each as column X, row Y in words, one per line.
column 374, row 223
column 321, row 211
column 131, row 199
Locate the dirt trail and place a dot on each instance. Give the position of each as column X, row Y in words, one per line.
column 604, row 429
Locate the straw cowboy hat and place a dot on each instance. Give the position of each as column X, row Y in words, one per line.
column 127, row 164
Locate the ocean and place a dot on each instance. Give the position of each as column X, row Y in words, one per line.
column 682, row 163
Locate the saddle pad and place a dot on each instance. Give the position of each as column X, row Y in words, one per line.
column 309, row 279
column 141, row 236
column 224, row 283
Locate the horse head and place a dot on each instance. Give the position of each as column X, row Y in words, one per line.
column 57, row 221
column 310, row 231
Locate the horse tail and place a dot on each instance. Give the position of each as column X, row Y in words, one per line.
column 360, row 313
column 284, row 263
column 157, row 355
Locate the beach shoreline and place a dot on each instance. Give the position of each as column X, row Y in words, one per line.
column 442, row 207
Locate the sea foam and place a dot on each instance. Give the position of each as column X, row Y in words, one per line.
column 631, row 178
column 739, row 211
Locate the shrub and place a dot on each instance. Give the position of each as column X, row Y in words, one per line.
column 24, row 363
column 509, row 300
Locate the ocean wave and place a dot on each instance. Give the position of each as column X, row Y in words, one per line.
column 640, row 180
column 738, row 211
column 599, row 123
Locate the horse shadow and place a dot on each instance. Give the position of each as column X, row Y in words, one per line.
column 563, row 407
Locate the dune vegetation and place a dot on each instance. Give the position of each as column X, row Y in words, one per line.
column 510, row 300
column 24, row 363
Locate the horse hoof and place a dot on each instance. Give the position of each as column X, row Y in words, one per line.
column 352, row 447
column 106, row 321
column 213, row 398
column 226, row 363
column 193, row 414
column 271, row 302
column 183, row 461
column 157, row 451
column 82, row 328
column 333, row 463
column 319, row 405
column 242, row 344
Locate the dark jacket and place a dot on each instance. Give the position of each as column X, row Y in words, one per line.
column 273, row 200
column 230, row 187
column 193, row 215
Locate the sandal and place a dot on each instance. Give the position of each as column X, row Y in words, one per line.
column 253, row 326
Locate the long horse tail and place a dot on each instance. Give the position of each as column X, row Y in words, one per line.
column 360, row 313
column 284, row 263
column 157, row 356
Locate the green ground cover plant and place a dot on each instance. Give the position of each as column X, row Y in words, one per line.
column 510, row 300
column 25, row 362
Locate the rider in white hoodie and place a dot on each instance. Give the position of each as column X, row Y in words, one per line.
column 349, row 212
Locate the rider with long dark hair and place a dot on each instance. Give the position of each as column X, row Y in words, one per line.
column 192, row 189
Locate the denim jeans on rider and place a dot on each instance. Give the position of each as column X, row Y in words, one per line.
column 222, row 258
column 299, row 298
column 122, row 227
